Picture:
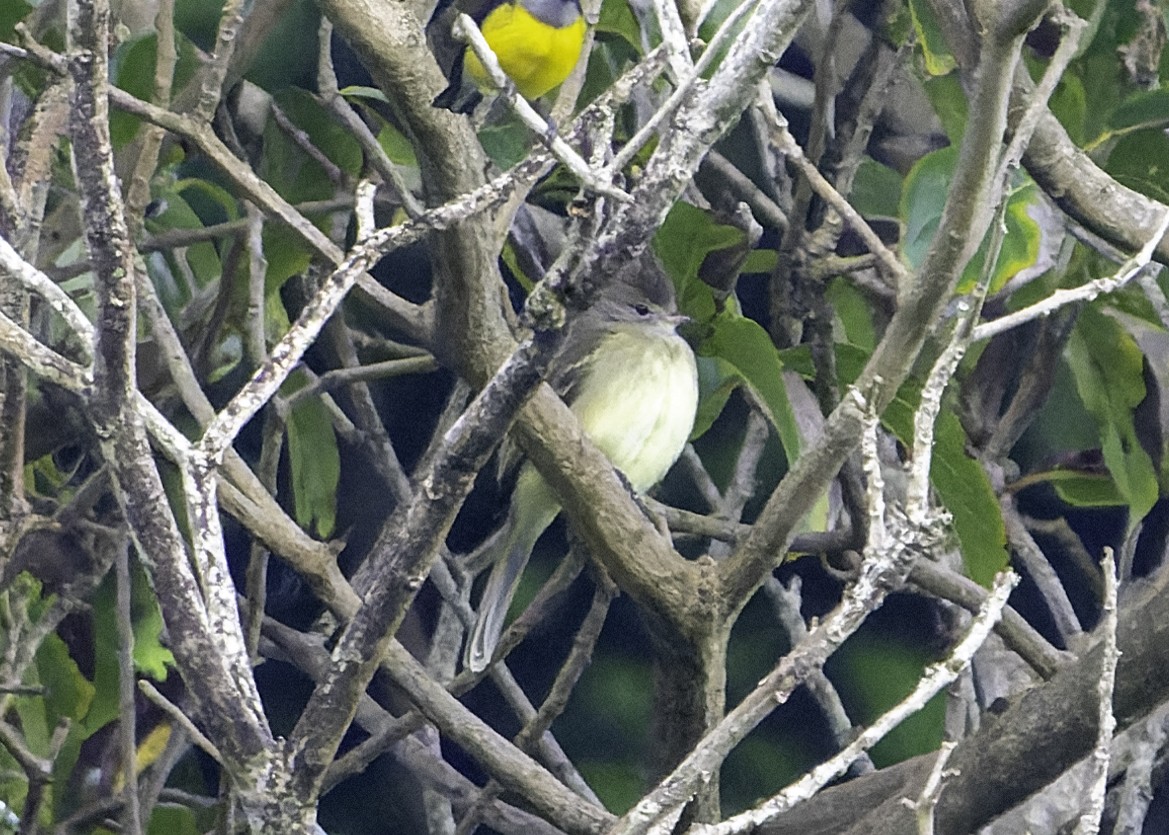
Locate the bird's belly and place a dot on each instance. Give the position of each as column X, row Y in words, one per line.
column 536, row 56
column 638, row 405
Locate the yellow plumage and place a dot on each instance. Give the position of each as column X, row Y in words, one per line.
column 537, row 42
column 536, row 56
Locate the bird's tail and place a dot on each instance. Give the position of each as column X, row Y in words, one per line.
column 533, row 507
column 501, row 588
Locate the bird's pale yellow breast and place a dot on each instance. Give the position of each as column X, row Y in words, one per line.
column 638, row 401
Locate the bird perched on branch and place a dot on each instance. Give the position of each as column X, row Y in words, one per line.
column 537, row 42
column 632, row 382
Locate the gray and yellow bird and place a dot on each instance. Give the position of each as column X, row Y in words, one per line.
column 632, row 382
column 538, row 42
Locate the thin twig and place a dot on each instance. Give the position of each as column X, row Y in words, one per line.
column 127, row 711
column 927, row 801
column 180, row 718
column 787, row 145
column 937, row 677
column 466, row 29
column 1062, row 297
column 1097, row 781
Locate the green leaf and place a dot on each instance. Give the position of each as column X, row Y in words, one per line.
column 396, row 145
column 1020, row 245
column 761, row 261
column 966, row 492
column 876, row 190
column 67, row 692
column 742, row 344
column 315, row 461
column 65, row 802
column 745, row 353
column 938, row 60
column 200, row 260
column 151, row 657
column 67, row 695
column 1083, row 489
column 276, row 320
column 611, row 53
column 216, row 194
column 296, row 175
column 1107, row 367
column 1069, row 104
column 686, row 238
column 1141, row 162
column 617, row 19
column 948, row 98
column 358, row 91
column 35, row 723
column 1143, row 324
column 506, row 143
column 1146, row 109
column 717, row 378
column 104, row 707
column 45, row 477
column 854, row 312
column 172, row 820
column 961, row 484
column 287, row 255
column 133, row 68
column 924, row 198
column 716, row 15
column 287, row 56
column 13, row 791
column 11, row 13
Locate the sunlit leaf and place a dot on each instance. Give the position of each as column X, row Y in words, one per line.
column 927, row 188
column 67, row 692
column 151, row 656
column 938, row 60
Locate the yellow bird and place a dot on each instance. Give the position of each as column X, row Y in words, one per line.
column 538, row 42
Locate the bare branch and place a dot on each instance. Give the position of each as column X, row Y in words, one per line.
column 1089, row 823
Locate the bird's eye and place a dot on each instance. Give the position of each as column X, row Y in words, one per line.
column 641, row 309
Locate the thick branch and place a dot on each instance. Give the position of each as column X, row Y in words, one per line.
column 404, row 555
column 219, row 690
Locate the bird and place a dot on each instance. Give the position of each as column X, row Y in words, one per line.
column 537, row 42
column 632, row 382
